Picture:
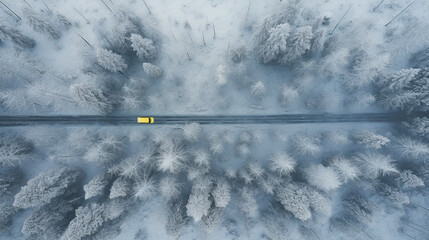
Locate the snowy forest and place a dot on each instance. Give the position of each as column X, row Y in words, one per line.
column 307, row 181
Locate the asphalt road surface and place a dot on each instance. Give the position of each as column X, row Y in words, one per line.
column 17, row 120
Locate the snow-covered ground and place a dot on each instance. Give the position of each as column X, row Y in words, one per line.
column 300, row 181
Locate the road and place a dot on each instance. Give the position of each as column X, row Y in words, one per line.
column 17, row 120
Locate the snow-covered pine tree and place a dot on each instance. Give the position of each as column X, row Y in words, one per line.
column 345, row 169
column 202, row 158
column 221, row 193
column 47, row 186
column 8, row 182
column 192, row 131
column 41, row 24
column 288, row 95
column 375, row 165
column 418, row 126
column 169, row 188
column 132, row 97
column 275, row 45
column 213, row 220
column 145, row 187
column 282, row 163
column 400, row 79
column 143, row 47
column 121, row 187
column 97, row 186
column 248, row 205
column 110, row 60
column 13, row 149
column 359, row 207
column 89, row 219
column 171, row 157
column 255, row 169
column 198, row 203
column 295, row 200
column 176, row 220
column 105, row 151
column 323, row 178
column 130, row 168
column 401, row 100
column 92, row 97
column 408, row 147
column 258, row 89
column 152, row 70
column 48, row 221
column 370, row 139
column 306, row 144
column 299, row 198
column 298, row 44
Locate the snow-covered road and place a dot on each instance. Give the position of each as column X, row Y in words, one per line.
column 18, row 120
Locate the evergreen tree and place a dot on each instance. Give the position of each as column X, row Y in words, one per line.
column 92, row 97
column 282, row 163
column 89, row 219
column 370, row 139
column 105, row 151
column 306, row 145
column 345, row 169
column 169, row 188
column 298, row 44
column 248, row 205
column 324, row 178
column 375, row 165
column 418, row 127
column 221, row 194
column 110, row 60
column 358, row 207
column 192, row 131
column 198, row 203
column 47, row 186
column 41, row 24
column 8, row 182
column 409, row 147
column 97, row 186
column 121, row 188
column 289, row 95
column 13, row 150
column 143, row 47
column 294, row 199
column 276, row 44
column 400, row 79
column 176, row 220
column 171, row 157
column 145, row 187
column 258, row 89
column 48, row 221
column 213, row 220
column 152, row 70
column 299, row 199
column 202, row 158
